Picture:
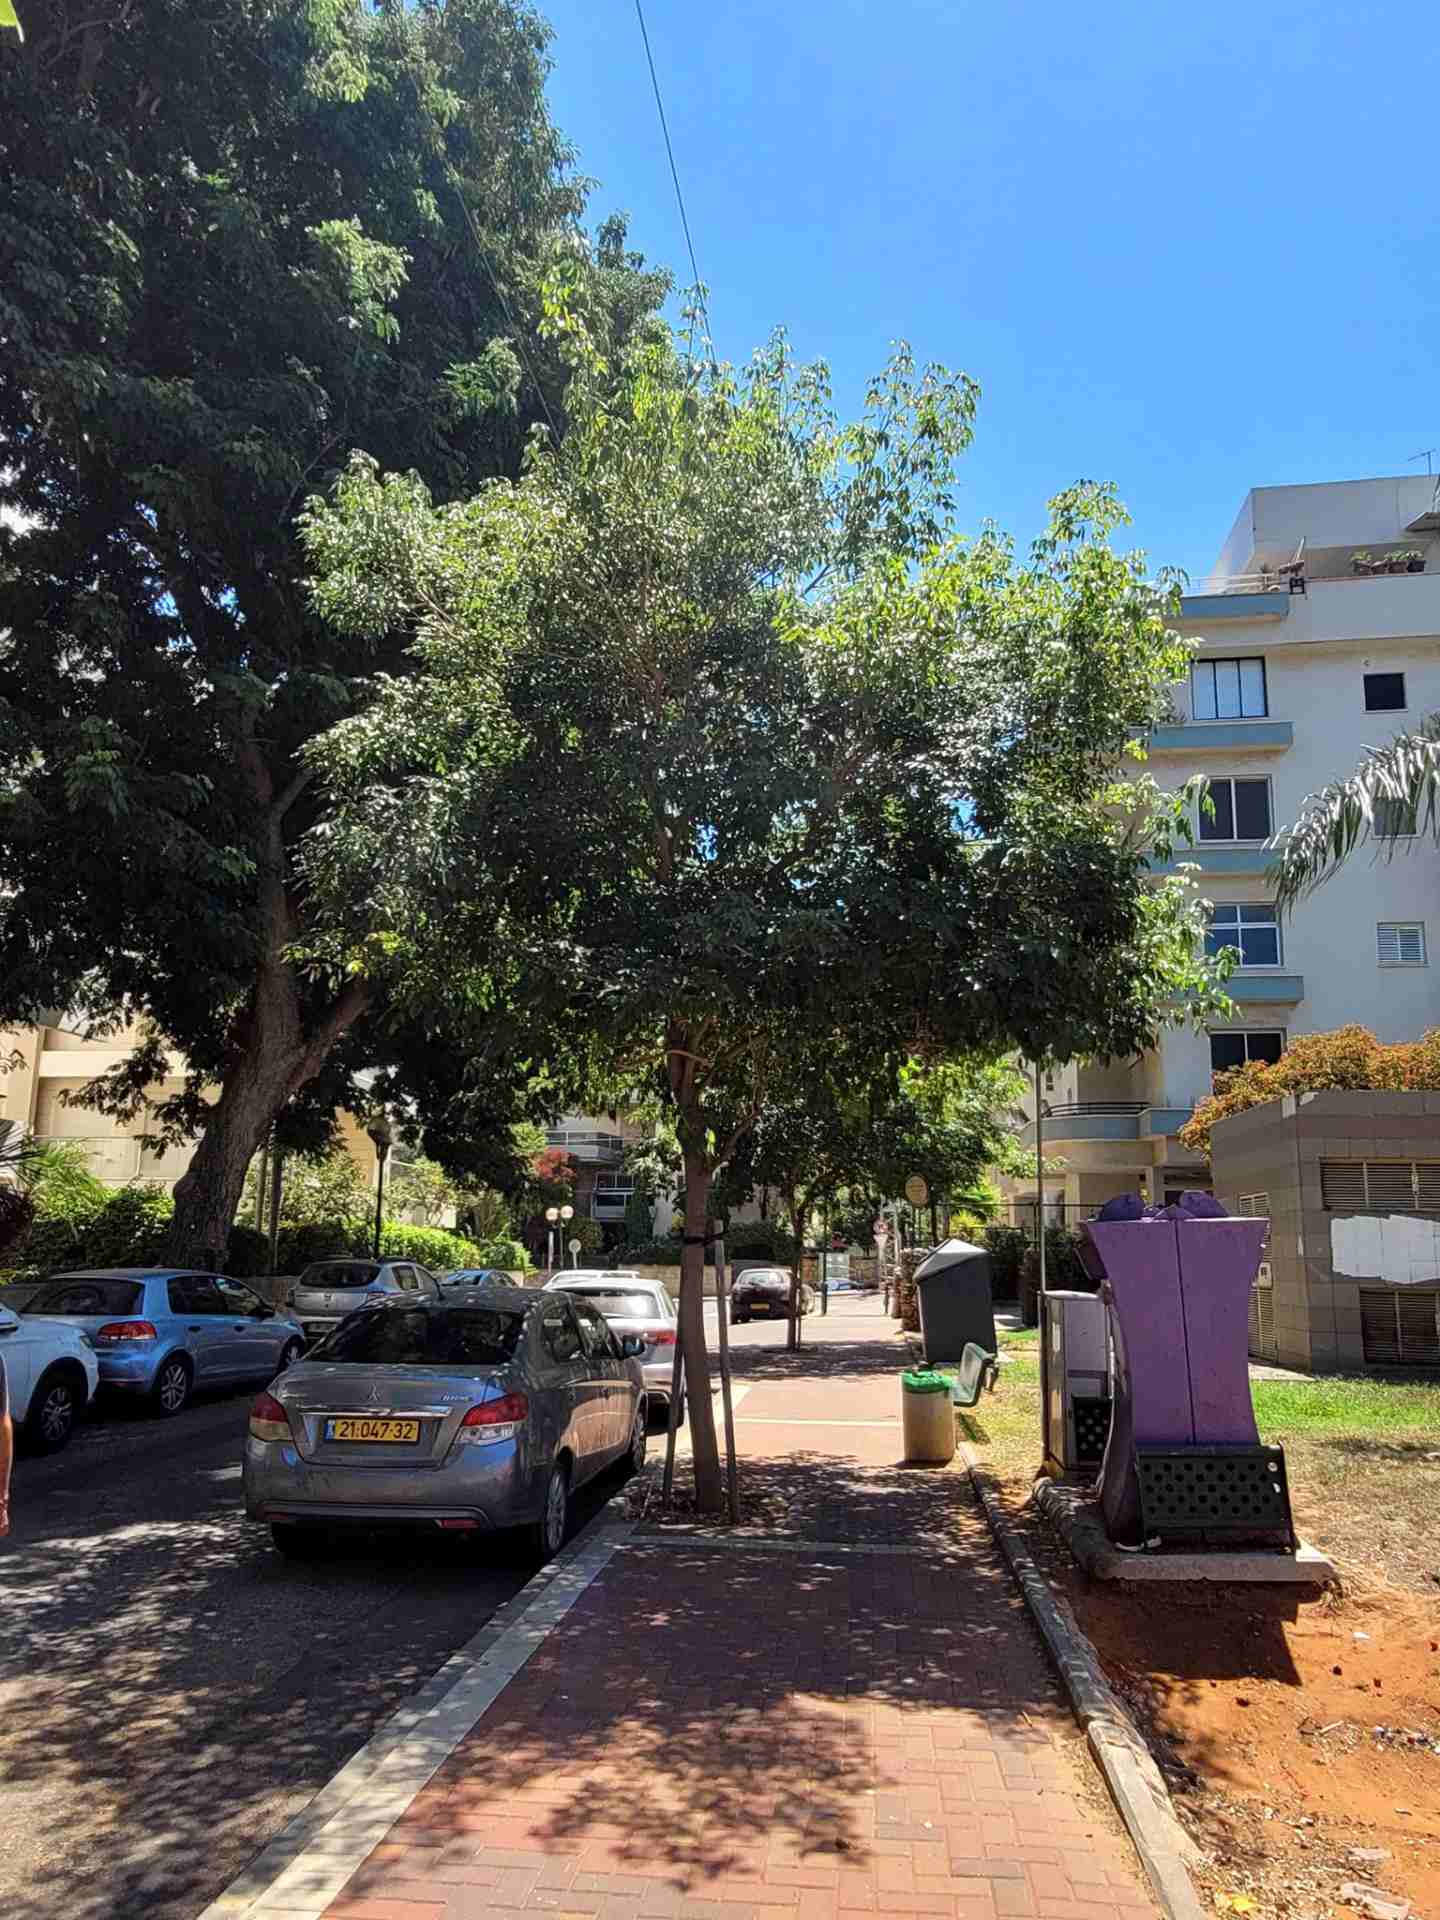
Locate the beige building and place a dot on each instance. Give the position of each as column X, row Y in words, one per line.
column 1318, row 635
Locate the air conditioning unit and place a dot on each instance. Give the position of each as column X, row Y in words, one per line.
column 1076, row 1358
column 1262, row 1275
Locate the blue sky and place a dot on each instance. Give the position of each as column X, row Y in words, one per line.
column 1189, row 249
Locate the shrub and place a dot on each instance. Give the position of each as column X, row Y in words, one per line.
column 652, row 1253
column 760, row 1240
column 318, row 1240
column 431, row 1246
column 1006, row 1247
column 1350, row 1058
column 130, row 1228
column 17, row 1215
column 248, row 1251
column 509, row 1254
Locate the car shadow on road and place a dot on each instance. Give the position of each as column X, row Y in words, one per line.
column 172, row 1691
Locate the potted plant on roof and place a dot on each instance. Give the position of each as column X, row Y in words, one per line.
column 1365, row 562
column 1414, row 560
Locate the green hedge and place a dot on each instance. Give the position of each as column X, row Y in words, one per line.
column 127, row 1228
column 1006, row 1247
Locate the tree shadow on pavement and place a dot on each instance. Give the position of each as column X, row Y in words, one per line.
column 735, row 1719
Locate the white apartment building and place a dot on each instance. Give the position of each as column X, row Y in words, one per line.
column 1319, row 634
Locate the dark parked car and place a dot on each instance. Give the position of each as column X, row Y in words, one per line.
column 462, row 1414
column 766, row 1291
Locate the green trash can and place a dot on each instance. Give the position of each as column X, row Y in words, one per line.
column 927, row 1417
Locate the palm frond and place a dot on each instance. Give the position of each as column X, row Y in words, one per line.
column 1401, row 779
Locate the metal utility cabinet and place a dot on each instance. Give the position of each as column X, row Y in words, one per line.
column 1076, row 1338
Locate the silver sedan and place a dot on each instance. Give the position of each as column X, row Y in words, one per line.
column 643, row 1308
column 463, row 1415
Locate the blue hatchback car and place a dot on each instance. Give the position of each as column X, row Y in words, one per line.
column 160, row 1332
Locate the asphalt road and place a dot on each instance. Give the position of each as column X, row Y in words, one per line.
column 171, row 1690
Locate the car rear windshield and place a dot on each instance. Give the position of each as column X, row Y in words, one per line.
column 338, row 1273
column 87, row 1297
column 459, row 1337
column 615, row 1300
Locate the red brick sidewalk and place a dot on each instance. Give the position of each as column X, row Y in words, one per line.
column 742, row 1731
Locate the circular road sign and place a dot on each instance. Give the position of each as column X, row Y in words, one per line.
column 916, row 1191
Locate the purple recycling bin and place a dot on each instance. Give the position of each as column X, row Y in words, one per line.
column 1179, row 1295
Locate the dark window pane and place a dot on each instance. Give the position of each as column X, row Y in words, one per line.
column 1252, row 809
column 87, row 1297
column 1265, row 1046
column 1218, row 824
column 1260, row 946
column 560, row 1333
column 1227, row 1050
column 462, row 1337
column 339, row 1273
column 1384, row 692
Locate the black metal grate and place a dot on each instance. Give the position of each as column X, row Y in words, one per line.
column 1092, row 1428
column 1225, row 1492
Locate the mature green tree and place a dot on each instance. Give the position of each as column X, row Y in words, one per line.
column 236, row 242
column 1392, row 796
column 792, row 766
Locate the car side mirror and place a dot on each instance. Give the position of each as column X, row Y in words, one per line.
column 632, row 1346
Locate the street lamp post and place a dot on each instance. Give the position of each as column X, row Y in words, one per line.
column 380, row 1134
column 556, row 1221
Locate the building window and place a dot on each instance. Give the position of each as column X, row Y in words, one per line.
column 1228, row 690
column 1400, row 943
column 1231, row 1050
column 1384, row 692
column 1394, row 819
column 1250, row 927
column 1237, row 810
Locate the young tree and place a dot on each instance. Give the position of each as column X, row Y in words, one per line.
column 793, row 767
column 235, row 242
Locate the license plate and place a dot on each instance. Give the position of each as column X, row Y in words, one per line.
column 396, row 1432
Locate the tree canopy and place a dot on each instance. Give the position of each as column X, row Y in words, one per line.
column 786, row 762
column 236, row 243
column 1349, row 1057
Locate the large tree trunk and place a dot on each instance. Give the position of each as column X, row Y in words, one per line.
column 275, row 1052
column 704, row 1448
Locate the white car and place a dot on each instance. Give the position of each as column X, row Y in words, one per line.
column 52, row 1372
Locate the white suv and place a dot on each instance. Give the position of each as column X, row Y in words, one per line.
column 52, row 1373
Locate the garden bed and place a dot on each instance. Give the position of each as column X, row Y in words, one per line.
column 1295, row 1731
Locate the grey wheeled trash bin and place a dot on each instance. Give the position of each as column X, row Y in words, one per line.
column 953, row 1287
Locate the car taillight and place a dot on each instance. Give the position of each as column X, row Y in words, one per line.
column 494, row 1420
column 117, row 1330
column 665, row 1338
column 267, row 1419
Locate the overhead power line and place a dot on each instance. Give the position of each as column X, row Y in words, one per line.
column 674, row 170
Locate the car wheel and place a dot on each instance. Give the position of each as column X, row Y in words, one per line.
column 547, row 1535
column 171, row 1390
column 740, row 1319
column 639, row 1436
column 54, row 1408
column 297, row 1543
column 292, row 1351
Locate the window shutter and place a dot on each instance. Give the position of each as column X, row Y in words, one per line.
column 1419, row 1318
column 1389, row 945
column 1412, row 945
column 1427, row 1186
column 1400, row 943
column 1379, row 1327
column 1342, row 1186
column 1389, row 1186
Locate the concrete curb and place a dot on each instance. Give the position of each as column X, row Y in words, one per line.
column 302, row 1869
column 1136, row 1786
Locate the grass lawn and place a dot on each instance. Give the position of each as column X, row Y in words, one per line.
column 1362, row 1455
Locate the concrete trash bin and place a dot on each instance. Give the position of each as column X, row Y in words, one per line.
column 927, row 1415
column 953, row 1285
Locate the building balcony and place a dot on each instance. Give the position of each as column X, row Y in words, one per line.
column 588, row 1145
column 1222, row 736
column 1224, row 862
column 1080, row 1120
column 1265, row 988
column 1237, row 600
